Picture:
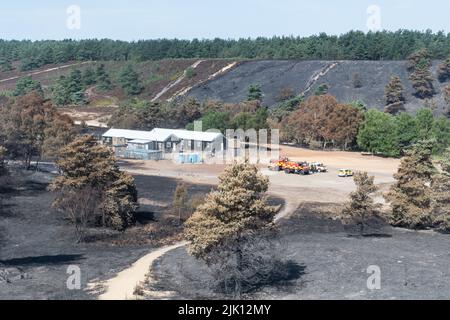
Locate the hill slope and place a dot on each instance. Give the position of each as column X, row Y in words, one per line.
column 306, row 76
column 228, row 80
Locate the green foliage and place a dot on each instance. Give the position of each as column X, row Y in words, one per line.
column 89, row 77
column 191, row 72
column 248, row 120
column 70, row 90
column 220, row 120
column 360, row 105
column 441, row 133
column 354, row 45
column 407, row 130
column 321, row 90
column 377, row 134
column 102, row 78
column 254, row 92
column 392, row 135
column 425, row 120
column 5, row 65
column 27, row 85
column 129, row 80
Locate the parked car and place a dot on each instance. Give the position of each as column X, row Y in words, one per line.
column 344, row 173
column 318, row 167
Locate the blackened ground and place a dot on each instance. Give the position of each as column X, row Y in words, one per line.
column 38, row 245
column 332, row 263
column 276, row 75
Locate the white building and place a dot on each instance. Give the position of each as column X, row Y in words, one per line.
column 165, row 141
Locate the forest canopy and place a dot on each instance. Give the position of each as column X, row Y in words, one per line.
column 354, row 45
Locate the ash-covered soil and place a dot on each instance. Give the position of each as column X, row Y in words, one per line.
column 329, row 261
column 275, row 75
column 37, row 245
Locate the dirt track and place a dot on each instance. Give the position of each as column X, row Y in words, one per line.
column 324, row 187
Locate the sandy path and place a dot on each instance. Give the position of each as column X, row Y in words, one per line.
column 44, row 71
column 122, row 286
column 173, row 84
column 293, row 189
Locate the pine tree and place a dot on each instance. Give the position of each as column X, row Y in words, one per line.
column 129, row 80
column 411, row 195
column 361, row 206
column 102, row 78
column 89, row 77
column 422, row 81
column 441, row 194
column 321, row 90
column 91, row 170
column 420, row 58
column 27, row 85
column 395, row 99
column 231, row 217
column 254, row 92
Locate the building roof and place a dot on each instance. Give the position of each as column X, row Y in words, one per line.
column 140, row 141
column 162, row 135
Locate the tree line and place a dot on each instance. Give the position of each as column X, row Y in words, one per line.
column 354, row 45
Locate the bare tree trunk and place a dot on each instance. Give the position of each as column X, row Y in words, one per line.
column 237, row 280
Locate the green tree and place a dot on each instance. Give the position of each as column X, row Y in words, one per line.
column 377, row 134
column 26, row 85
column 219, row 120
column 321, row 90
column 407, row 130
column 411, row 195
column 102, row 78
column 254, row 92
column 89, row 77
column 5, row 65
column 236, row 214
column 425, row 121
column 129, row 80
column 441, row 133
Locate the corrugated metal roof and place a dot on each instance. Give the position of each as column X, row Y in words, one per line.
column 161, row 135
